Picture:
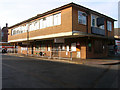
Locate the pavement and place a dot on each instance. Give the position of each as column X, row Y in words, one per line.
column 110, row 60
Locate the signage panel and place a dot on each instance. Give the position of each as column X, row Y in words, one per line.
column 59, row 40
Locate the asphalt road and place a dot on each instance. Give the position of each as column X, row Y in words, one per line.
column 23, row 72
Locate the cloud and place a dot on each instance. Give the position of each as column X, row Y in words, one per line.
column 15, row 11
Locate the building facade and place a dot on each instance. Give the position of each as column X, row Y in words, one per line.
column 4, row 39
column 4, row 33
column 117, row 33
column 117, row 38
column 67, row 31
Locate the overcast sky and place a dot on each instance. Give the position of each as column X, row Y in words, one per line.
column 15, row 11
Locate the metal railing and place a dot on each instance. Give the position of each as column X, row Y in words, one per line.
column 53, row 54
column 12, row 50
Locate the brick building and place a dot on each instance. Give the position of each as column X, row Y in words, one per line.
column 117, row 33
column 69, row 28
column 4, row 38
column 4, row 33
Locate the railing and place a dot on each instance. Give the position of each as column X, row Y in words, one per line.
column 12, row 50
column 53, row 54
column 98, row 31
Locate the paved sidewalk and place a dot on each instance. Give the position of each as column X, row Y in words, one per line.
column 99, row 61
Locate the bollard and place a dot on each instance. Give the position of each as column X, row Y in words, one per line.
column 70, row 55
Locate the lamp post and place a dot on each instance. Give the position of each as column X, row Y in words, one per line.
column 27, row 38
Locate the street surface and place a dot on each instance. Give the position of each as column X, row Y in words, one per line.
column 24, row 72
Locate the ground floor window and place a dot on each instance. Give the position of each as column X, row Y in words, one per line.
column 67, row 47
column 48, row 48
column 42, row 47
column 23, row 48
column 63, row 47
column 37, row 47
column 73, row 47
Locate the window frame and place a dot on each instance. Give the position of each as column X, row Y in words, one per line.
column 81, row 18
column 109, row 25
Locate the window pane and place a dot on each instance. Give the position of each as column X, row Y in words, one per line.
column 59, row 18
column 44, row 23
column 41, row 23
column 84, row 20
column 73, row 47
column 109, row 25
column 93, row 20
column 81, row 18
column 51, row 20
column 55, row 19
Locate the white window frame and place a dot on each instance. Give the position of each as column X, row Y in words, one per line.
column 49, row 21
column 95, row 17
column 57, row 19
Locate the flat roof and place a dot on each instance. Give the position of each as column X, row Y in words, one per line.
column 61, row 8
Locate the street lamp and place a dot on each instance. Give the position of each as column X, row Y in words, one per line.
column 27, row 38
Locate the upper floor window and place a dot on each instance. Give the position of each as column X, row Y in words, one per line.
column 109, row 25
column 57, row 19
column 36, row 25
column 48, row 21
column 82, row 18
column 102, row 27
column 94, row 22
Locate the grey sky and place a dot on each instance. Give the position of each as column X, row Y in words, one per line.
column 15, row 11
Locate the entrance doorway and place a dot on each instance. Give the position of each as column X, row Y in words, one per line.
column 32, row 51
column 55, row 50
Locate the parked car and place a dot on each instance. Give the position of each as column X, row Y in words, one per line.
column 4, row 50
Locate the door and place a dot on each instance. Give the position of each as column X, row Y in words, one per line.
column 55, row 50
column 32, row 50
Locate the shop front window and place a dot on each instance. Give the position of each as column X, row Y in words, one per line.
column 63, row 47
column 37, row 48
column 42, row 47
column 73, row 47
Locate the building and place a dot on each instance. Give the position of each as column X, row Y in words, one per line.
column 4, row 33
column 117, row 33
column 4, row 38
column 67, row 31
column 117, row 38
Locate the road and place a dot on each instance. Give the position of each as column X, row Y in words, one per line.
column 24, row 72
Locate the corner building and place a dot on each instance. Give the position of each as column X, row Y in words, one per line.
column 67, row 31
